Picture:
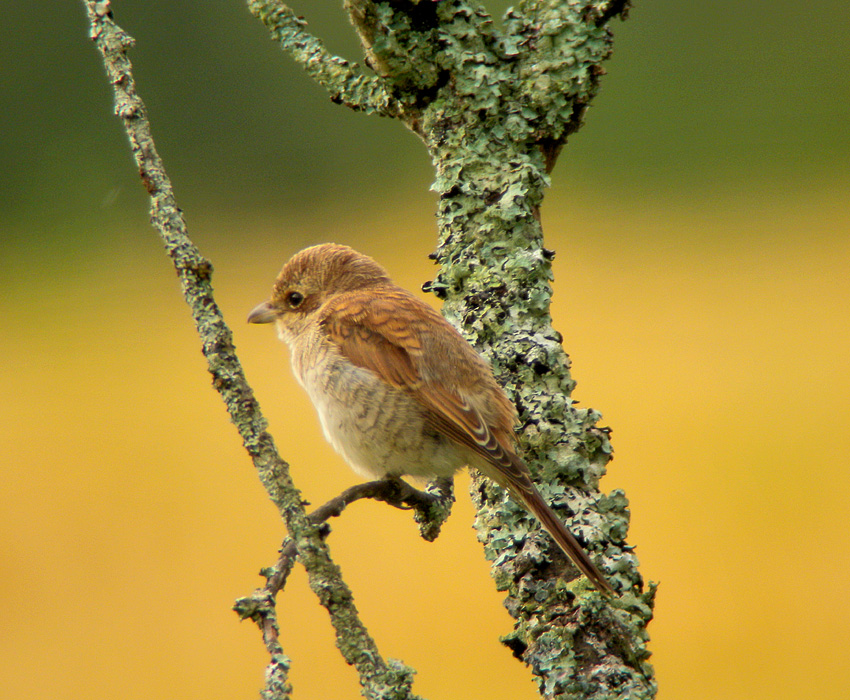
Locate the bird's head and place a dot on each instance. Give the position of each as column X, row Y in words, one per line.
column 310, row 278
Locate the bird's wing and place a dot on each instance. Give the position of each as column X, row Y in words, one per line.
column 369, row 331
column 384, row 334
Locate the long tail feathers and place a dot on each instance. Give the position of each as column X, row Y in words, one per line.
column 565, row 539
column 512, row 474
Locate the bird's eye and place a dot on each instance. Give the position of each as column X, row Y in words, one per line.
column 294, row 299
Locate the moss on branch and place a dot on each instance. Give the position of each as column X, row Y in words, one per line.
column 345, row 84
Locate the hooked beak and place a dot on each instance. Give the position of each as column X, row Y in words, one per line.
column 262, row 313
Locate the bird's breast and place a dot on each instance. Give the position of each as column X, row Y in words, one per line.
column 378, row 429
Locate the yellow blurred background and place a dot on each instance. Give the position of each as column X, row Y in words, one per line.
column 701, row 285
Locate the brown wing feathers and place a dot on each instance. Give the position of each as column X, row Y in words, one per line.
column 372, row 338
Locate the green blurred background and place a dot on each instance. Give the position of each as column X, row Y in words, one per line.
column 702, row 286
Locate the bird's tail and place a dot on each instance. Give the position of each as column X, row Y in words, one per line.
column 520, row 485
column 564, row 538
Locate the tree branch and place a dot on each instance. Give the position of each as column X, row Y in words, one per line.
column 431, row 506
column 339, row 77
column 559, row 48
column 194, row 272
column 400, row 41
column 494, row 110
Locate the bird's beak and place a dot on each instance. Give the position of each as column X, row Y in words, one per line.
column 262, row 313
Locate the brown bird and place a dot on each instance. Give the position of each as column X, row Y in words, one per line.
column 398, row 390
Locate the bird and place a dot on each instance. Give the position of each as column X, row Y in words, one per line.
column 398, row 390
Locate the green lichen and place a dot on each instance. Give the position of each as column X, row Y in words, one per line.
column 341, row 78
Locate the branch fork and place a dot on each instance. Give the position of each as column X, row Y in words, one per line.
column 493, row 107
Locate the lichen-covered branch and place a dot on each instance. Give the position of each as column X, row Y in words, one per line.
column 400, row 41
column 559, row 48
column 494, row 108
column 339, row 77
column 380, row 679
column 432, row 507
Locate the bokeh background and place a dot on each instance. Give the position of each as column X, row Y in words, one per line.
column 702, row 286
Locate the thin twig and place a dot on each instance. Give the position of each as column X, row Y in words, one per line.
column 195, row 272
column 345, row 84
column 431, row 506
